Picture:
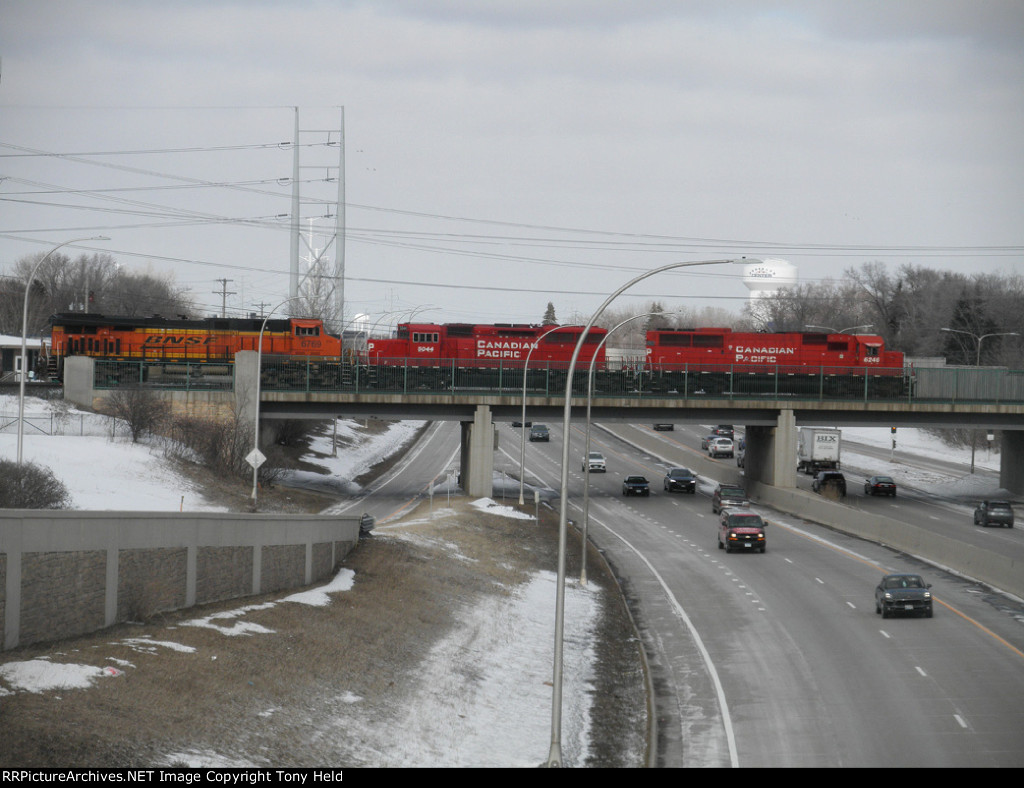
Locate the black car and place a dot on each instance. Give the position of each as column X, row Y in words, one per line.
column 903, row 593
column 724, row 431
column 829, row 481
column 680, row 479
column 539, row 432
column 880, row 485
column 994, row 513
column 728, row 495
column 636, row 485
column 664, row 427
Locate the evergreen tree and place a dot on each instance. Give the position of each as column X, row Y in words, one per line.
column 549, row 316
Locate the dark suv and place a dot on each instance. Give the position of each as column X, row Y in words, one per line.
column 994, row 513
column 827, row 481
column 903, row 593
column 539, row 432
column 680, row 479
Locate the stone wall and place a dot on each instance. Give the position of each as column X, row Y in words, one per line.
column 63, row 574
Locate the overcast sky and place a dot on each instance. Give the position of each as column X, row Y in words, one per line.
column 503, row 153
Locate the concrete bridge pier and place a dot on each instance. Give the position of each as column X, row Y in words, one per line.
column 476, row 464
column 1011, row 461
column 771, row 453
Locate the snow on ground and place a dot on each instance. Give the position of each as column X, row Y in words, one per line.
column 959, row 485
column 499, row 717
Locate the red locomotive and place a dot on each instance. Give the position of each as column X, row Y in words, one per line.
column 469, row 344
column 722, row 347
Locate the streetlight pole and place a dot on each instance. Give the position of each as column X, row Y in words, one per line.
column 522, row 437
column 24, row 336
column 256, row 417
column 586, row 443
column 555, row 753
column 977, row 363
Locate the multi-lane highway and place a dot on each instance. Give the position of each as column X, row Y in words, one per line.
column 780, row 659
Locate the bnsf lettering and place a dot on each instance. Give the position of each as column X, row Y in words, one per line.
column 172, row 339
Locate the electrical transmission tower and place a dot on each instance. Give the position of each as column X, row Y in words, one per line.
column 322, row 285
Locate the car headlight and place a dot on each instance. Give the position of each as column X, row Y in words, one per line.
column 888, row 595
column 927, row 594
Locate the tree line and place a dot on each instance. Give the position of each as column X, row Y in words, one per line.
column 93, row 283
column 909, row 306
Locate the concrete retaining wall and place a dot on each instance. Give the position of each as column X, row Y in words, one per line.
column 989, row 567
column 67, row 573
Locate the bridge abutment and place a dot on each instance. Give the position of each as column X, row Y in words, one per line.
column 771, row 452
column 476, row 464
column 1011, row 461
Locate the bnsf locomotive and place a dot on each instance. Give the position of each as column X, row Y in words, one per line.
column 210, row 340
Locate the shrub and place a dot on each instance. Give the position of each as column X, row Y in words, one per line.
column 30, row 486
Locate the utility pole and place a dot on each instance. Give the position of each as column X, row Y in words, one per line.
column 224, row 293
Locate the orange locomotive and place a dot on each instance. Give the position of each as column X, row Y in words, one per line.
column 166, row 339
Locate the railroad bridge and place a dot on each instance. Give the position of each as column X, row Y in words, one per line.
column 985, row 399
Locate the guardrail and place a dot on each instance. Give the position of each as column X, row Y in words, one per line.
column 690, row 381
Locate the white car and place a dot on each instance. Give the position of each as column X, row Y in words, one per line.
column 720, row 447
column 595, row 460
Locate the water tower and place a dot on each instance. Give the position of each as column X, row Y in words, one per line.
column 767, row 276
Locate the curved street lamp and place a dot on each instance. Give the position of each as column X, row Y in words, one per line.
column 24, row 332
column 977, row 363
column 555, row 752
column 522, row 438
column 255, row 462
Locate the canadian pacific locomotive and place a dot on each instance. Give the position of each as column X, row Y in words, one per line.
column 719, row 360
column 722, row 346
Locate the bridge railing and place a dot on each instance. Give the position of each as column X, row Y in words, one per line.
column 167, row 375
column 687, row 381
column 404, row 376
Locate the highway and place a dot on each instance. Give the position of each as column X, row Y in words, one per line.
column 780, row 659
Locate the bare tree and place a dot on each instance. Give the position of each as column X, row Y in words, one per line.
column 143, row 410
column 92, row 283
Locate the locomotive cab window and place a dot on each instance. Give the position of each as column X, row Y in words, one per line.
column 307, row 331
column 872, row 351
column 424, row 337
